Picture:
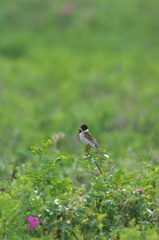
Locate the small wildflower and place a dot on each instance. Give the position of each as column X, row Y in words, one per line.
column 34, row 221
column 147, row 196
column 56, row 201
column 140, row 191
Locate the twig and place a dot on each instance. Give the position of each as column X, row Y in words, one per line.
column 75, row 235
column 93, row 173
column 100, row 170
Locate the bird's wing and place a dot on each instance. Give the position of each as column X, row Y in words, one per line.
column 90, row 138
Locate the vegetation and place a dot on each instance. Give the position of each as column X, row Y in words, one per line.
column 117, row 206
column 63, row 64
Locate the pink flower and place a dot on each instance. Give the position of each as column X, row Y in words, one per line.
column 34, row 221
column 140, row 191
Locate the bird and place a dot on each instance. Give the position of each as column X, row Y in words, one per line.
column 88, row 139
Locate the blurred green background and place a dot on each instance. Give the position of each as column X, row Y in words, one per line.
column 63, row 64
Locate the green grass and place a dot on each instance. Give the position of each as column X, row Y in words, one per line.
column 98, row 65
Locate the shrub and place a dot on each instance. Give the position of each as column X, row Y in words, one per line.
column 116, row 206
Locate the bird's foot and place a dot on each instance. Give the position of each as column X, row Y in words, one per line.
column 87, row 150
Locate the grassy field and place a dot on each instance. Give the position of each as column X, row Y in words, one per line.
column 63, row 64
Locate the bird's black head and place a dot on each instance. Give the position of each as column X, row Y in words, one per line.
column 83, row 128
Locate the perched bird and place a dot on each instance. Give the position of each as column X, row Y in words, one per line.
column 88, row 139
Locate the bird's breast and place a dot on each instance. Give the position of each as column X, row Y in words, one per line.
column 85, row 140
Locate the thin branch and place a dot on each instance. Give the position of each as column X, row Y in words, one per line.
column 93, row 173
column 100, row 170
column 75, row 235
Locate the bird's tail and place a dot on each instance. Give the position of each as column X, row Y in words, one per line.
column 102, row 155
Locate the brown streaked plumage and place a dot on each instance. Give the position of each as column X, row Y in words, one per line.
column 88, row 139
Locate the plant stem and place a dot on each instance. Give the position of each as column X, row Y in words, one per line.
column 75, row 235
column 93, row 173
column 100, row 170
